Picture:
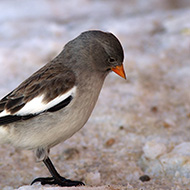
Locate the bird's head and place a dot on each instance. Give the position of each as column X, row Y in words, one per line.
column 107, row 52
column 99, row 51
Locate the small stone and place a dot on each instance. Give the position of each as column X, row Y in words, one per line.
column 93, row 178
column 70, row 153
column 168, row 123
column 154, row 109
column 145, row 178
column 153, row 149
column 121, row 127
column 110, row 142
column 182, row 149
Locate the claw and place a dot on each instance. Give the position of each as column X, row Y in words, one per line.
column 61, row 182
column 43, row 180
column 56, row 179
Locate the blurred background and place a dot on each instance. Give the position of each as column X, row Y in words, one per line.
column 139, row 126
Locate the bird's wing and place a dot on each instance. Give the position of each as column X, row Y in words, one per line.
column 48, row 90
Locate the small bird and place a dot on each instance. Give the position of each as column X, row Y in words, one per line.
column 57, row 100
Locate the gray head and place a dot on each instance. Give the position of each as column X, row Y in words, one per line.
column 97, row 50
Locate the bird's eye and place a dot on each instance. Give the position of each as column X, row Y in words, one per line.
column 111, row 60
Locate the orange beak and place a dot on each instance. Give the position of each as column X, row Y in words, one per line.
column 119, row 70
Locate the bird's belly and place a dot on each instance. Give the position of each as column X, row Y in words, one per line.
column 72, row 123
column 49, row 129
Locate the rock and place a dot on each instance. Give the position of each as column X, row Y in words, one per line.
column 93, row 178
column 153, row 149
column 174, row 164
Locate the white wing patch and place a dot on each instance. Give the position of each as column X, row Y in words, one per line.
column 36, row 105
column 4, row 113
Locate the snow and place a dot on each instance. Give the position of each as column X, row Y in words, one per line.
column 139, row 126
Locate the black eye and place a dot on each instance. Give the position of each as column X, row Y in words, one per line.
column 111, row 60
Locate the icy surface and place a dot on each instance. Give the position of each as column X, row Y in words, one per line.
column 175, row 164
column 139, row 126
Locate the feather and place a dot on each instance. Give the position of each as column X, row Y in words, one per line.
column 49, row 89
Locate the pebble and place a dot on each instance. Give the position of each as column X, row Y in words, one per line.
column 144, row 178
column 153, row 149
column 110, row 142
column 175, row 164
column 93, row 178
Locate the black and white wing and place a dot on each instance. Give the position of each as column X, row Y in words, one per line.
column 49, row 89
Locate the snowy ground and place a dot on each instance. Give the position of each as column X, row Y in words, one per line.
column 140, row 126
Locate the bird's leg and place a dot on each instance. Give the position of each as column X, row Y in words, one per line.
column 56, row 179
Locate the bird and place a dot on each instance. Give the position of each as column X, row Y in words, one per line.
column 56, row 101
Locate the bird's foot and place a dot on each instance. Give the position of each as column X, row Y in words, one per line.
column 61, row 181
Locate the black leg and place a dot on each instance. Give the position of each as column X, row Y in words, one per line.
column 56, row 179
